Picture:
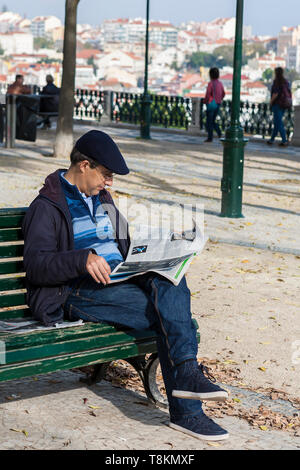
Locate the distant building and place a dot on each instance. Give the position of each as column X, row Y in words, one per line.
column 9, row 21
column 16, row 42
column 42, row 25
column 293, row 57
column 286, row 38
column 268, row 61
column 163, row 33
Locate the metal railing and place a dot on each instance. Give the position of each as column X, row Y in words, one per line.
column 173, row 112
column 256, row 118
column 176, row 112
column 166, row 111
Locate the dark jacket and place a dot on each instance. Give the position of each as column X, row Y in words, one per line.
column 50, row 104
column 50, row 259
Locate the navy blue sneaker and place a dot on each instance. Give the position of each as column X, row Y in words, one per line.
column 191, row 383
column 200, row 426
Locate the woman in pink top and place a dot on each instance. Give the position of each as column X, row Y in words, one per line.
column 213, row 98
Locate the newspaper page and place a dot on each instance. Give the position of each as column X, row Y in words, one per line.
column 170, row 257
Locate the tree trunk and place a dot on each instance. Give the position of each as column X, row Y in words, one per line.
column 64, row 133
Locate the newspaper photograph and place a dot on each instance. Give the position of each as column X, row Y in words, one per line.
column 170, row 256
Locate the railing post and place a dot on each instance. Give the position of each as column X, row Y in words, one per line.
column 11, row 115
column 296, row 134
column 194, row 128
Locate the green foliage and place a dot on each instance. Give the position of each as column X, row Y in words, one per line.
column 223, row 56
column 88, row 45
column 90, row 61
column 1, row 50
column 47, row 60
column 267, row 75
column 251, row 49
column 203, row 59
column 174, row 66
column 43, row 43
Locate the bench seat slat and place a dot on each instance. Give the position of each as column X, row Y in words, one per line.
column 70, row 361
column 105, row 340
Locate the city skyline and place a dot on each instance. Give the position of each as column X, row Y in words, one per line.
column 268, row 22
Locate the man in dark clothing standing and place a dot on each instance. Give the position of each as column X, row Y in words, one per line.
column 74, row 237
column 49, row 104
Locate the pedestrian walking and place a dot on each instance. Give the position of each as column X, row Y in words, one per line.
column 214, row 96
column 281, row 99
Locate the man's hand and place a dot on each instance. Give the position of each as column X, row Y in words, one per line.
column 98, row 268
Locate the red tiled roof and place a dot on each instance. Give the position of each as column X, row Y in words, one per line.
column 87, row 53
column 255, row 85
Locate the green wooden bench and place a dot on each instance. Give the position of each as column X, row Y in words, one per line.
column 42, row 351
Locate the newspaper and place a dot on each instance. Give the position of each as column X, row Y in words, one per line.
column 27, row 326
column 170, row 257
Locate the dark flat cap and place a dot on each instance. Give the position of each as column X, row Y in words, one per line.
column 101, row 148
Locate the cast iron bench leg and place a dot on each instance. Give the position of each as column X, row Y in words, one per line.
column 146, row 369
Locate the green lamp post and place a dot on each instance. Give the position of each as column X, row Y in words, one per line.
column 234, row 141
column 146, row 99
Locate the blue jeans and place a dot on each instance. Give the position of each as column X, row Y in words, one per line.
column 278, row 125
column 211, row 123
column 147, row 301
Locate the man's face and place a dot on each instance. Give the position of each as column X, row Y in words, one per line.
column 20, row 81
column 94, row 180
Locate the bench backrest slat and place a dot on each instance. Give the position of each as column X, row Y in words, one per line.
column 11, row 221
column 12, row 283
column 11, row 267
column 11, row 251
column 10, row 234
column 10, row 296
column 12, row 300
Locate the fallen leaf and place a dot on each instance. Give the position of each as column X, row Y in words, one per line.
column 263, row 369
column 94, row 407
column 263, row 428
column 20, row 430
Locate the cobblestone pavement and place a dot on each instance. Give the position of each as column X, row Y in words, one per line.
column 49, row 412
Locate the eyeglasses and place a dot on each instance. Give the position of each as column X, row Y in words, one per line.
column 107, row 175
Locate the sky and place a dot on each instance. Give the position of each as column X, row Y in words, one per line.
column 266, row 16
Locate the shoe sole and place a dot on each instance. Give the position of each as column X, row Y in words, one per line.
column 204, row 437
column 215, row 396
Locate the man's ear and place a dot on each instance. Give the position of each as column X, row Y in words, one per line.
column 83, row 166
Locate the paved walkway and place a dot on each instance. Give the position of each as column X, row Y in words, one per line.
column 51, row 413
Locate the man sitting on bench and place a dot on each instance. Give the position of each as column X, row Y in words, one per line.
column 74, row 237
column 49, row 104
